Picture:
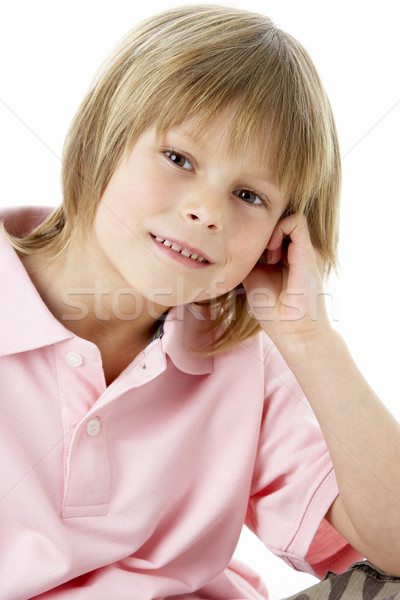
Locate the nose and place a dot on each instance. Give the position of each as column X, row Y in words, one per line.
column 206, row 209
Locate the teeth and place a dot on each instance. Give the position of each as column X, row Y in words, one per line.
column 182, row 251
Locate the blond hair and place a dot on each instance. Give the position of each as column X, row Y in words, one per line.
column 195, row 61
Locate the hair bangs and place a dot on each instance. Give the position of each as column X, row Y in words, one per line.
column 277, row 103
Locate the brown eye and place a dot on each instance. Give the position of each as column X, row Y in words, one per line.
column 248, row 197
column 179, row 160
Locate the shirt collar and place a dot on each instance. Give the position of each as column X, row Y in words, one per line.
column 185, row 330
column 27, row 323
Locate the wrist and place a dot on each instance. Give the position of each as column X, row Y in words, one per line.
column 306, row 347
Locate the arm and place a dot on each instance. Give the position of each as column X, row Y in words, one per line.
column 362, row 437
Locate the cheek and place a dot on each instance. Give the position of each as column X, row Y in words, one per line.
column 145, row 199
column 239, row 266
column 247, row 250
column 129, row 193
column 251, row 242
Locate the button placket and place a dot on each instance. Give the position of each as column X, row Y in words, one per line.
column 88, row 469
column 88, row 482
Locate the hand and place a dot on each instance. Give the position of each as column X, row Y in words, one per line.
column 286, row 295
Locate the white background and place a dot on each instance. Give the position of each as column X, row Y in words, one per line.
column 49, row 53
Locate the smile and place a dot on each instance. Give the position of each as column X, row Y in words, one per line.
column 181, row 250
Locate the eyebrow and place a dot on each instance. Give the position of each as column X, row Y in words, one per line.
column 188, row 137
column 262, row 176
column 193, row 136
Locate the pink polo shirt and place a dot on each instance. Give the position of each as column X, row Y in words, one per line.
column 139, row 490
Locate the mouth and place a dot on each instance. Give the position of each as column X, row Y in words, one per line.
column 185, row 251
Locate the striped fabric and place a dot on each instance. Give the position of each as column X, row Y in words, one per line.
column 160, row 329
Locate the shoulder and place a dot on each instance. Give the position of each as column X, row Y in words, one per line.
column 262, row 352
column 20, row 220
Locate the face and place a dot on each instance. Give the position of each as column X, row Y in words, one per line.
column 182, row 220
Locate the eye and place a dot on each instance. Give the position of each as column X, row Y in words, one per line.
column 249, row 197
column 179, row 160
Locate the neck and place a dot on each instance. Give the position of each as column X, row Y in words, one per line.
column 95, row 308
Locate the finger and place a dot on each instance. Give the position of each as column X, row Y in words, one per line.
column 293, row 226
column 274, row 256
column 280, row 255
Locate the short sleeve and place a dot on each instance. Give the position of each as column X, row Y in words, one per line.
column 294, row 482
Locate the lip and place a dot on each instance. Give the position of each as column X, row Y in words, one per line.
column 183, row 245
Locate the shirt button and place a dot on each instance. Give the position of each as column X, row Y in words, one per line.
column 74, row 359
column 93, row 427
